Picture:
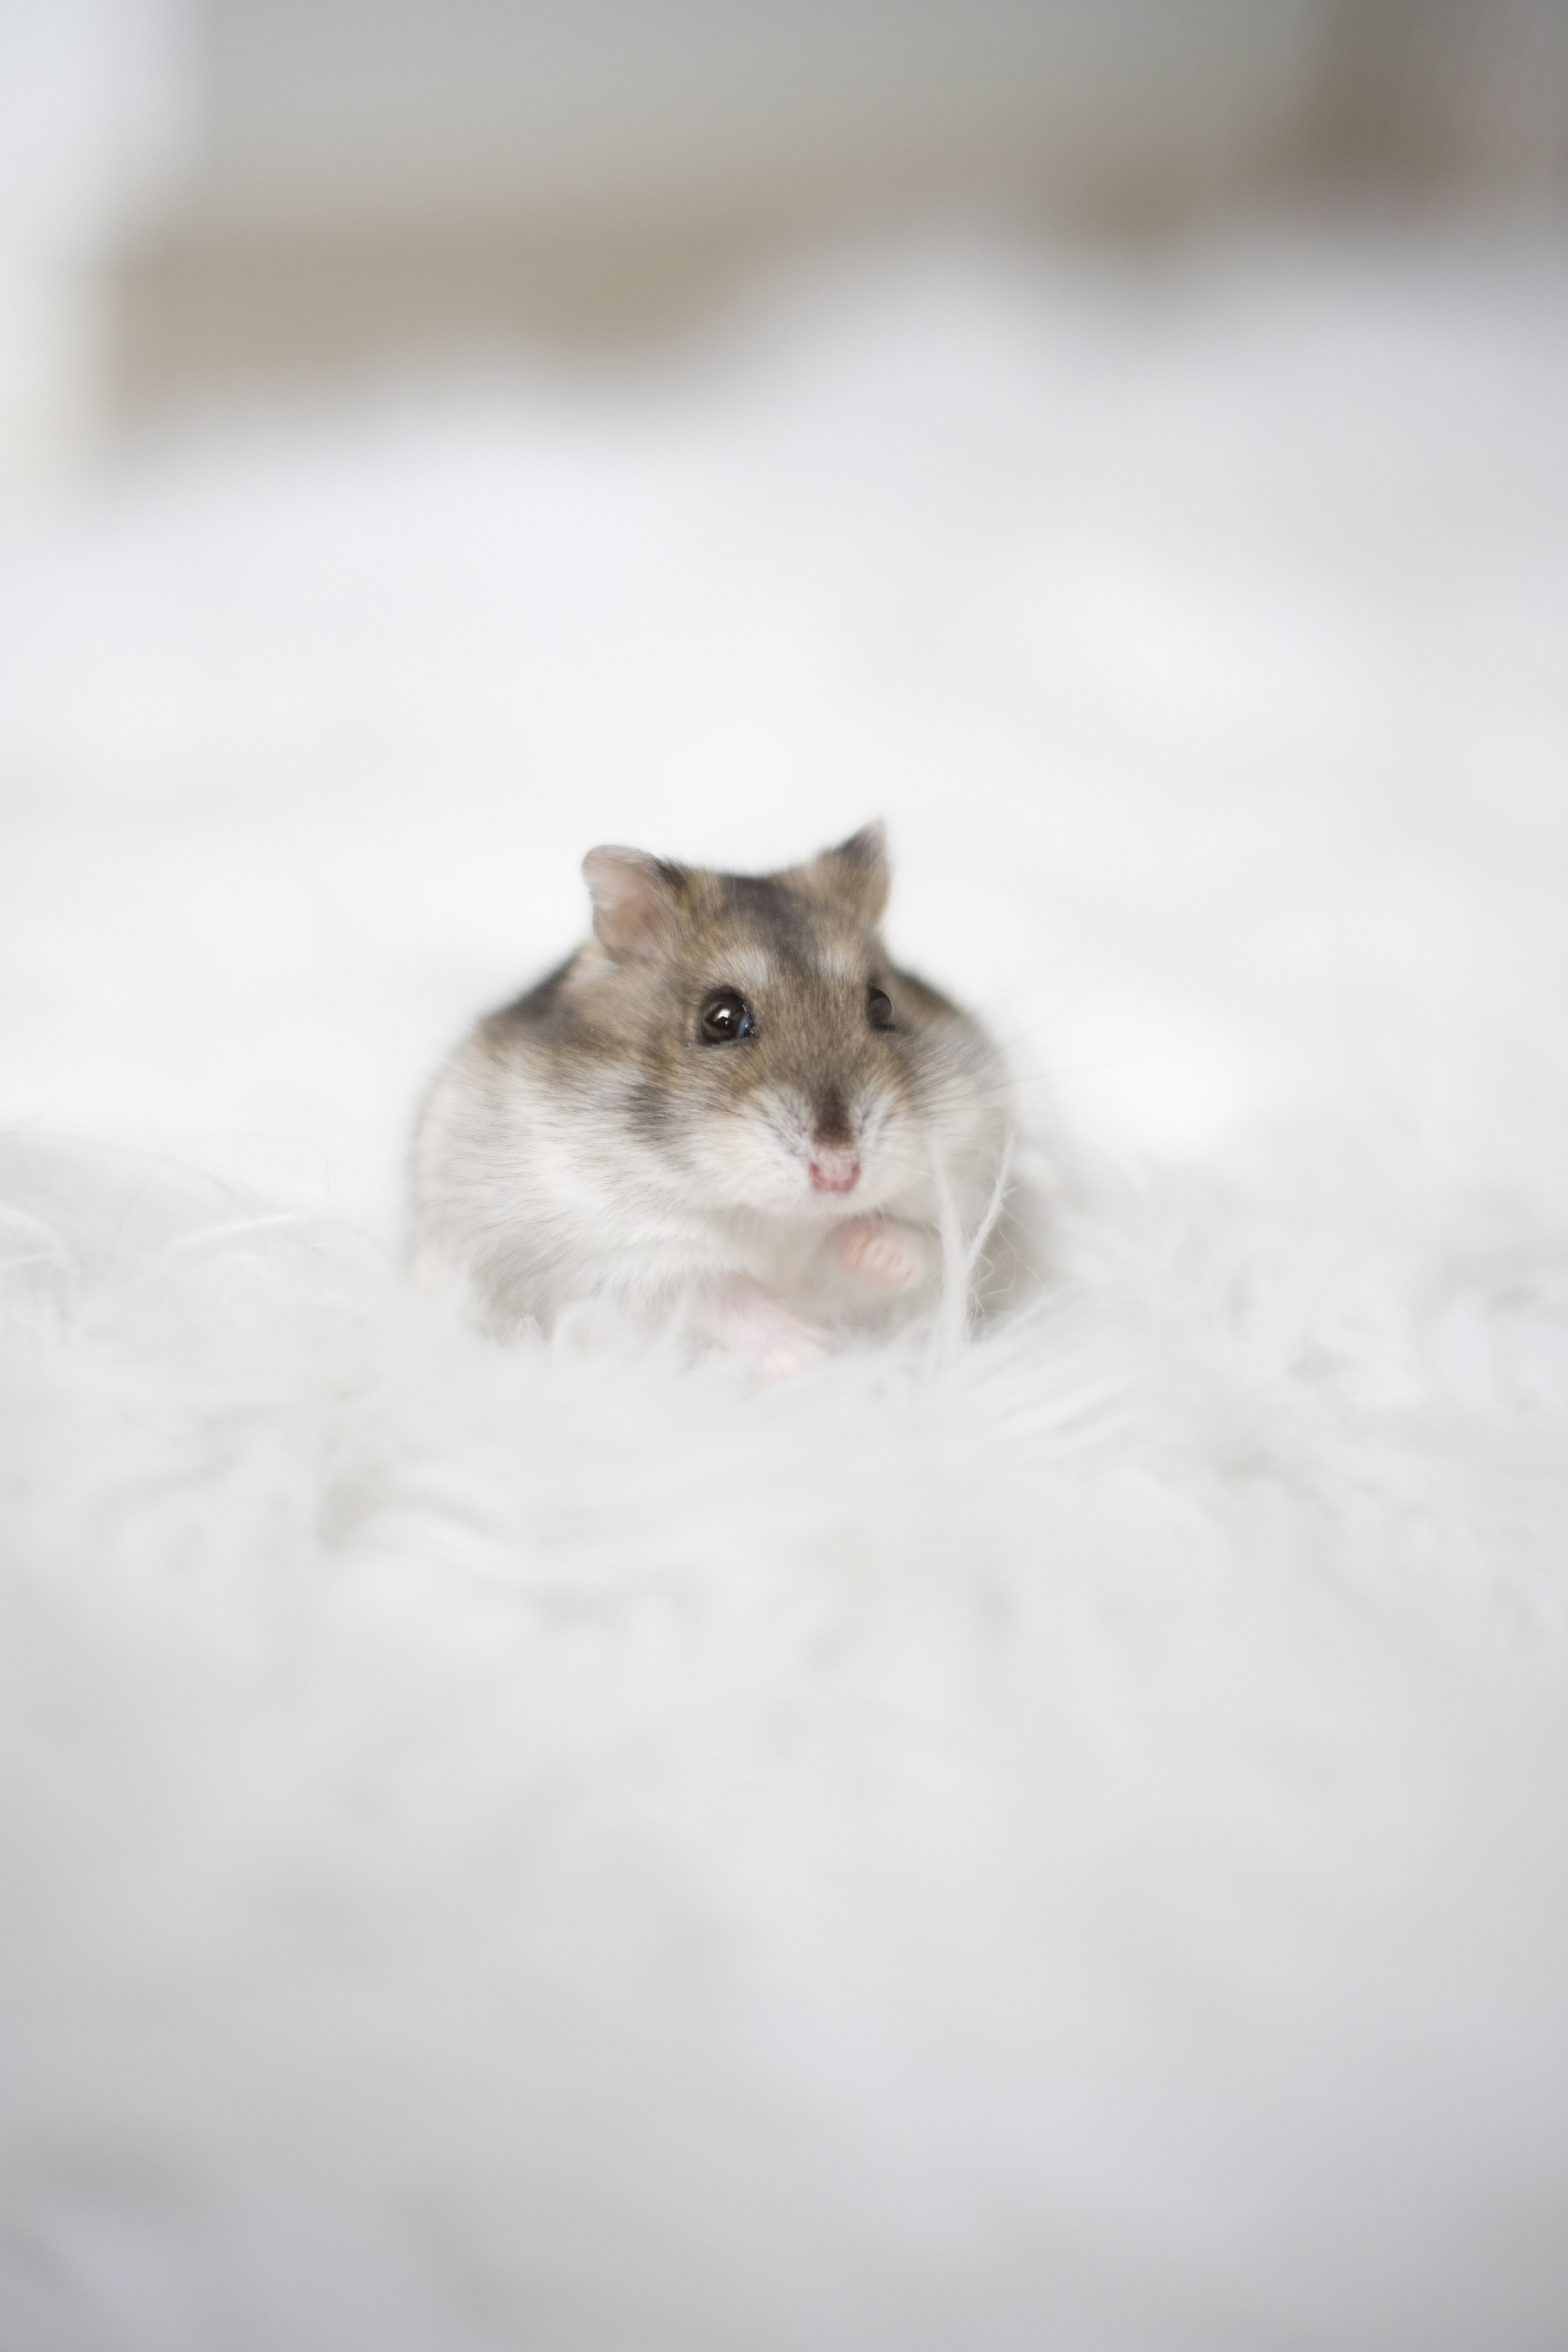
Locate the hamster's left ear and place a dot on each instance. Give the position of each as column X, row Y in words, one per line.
column 635, row 900
column 857, row 870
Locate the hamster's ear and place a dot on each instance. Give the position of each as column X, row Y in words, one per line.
column 634, row 900
column 857, row 870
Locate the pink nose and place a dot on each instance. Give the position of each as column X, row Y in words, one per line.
column 835, row 1172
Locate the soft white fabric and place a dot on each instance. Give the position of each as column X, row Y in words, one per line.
column 1053, row 1842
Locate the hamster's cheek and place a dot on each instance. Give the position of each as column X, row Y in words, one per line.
column 897, row 1162
column 747, row 1163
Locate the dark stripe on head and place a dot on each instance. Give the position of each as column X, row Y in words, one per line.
column 775, row 911
column 832, row 1118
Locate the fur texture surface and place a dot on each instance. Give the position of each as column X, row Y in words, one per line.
column 1050, row 1840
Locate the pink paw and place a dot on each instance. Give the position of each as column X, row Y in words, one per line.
column 889, row 1256
column 772, row 1335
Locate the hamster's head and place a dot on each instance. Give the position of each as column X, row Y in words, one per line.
column 762, row 1045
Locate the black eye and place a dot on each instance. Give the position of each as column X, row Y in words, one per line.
column 879, row 1008
column 725, row 1015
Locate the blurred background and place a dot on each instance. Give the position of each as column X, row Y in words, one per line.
column 437, row 434
column 203, row 196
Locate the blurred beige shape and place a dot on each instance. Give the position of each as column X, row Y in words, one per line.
column 380, row 179
column 1444, row 94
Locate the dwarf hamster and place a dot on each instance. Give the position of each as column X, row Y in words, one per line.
column 727, row 1110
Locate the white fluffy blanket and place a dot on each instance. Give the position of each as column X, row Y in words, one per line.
column 1056, row 1843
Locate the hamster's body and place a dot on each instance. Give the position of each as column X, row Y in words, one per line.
column 727, row 1110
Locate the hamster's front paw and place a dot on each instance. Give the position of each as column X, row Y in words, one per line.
column 890, row 1258
column 774, row 1340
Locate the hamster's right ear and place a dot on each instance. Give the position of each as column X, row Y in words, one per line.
column 635, row 897
column 858, row 869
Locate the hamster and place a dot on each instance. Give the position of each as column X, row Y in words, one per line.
column 727, row 1112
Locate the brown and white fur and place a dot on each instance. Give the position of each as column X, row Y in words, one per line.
column 816, row 1176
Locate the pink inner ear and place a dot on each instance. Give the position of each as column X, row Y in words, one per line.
column 633, row 896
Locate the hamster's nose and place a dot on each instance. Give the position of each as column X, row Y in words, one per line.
column 834, row 1167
